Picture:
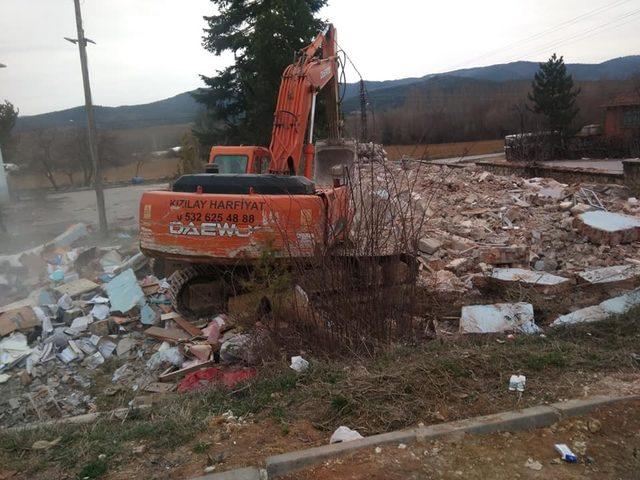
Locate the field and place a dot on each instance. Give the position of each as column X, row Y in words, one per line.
column 162, row 168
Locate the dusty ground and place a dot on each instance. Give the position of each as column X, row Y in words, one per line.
column 611, row 436
column 35, row 219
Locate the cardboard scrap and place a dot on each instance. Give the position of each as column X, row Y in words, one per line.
column 172, row 335
column 23, row 318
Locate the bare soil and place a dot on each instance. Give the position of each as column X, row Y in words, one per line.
column 611, row 437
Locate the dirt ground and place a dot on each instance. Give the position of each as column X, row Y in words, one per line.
column 609, row 438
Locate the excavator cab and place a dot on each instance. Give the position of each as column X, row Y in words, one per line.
column 236, row 160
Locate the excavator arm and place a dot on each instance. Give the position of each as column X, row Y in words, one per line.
column 315, row 69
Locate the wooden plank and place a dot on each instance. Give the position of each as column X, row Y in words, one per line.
column 172, row 335
column 187, row 326
column 171, row 375
column 77, row 287
column 159, row 387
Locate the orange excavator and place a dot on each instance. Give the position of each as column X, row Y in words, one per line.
column 289, row 199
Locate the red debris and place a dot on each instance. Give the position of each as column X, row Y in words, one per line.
column 204, row 378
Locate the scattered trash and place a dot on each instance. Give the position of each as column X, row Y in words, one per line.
column 517, row 383
column 565, row 453
column 235, row 349
column 498, row 318
column 533, row 464
column 124, row 292
column 44, row 444
column 204, row 378
column 344, row 434
column 299, row 364
column 170, row 355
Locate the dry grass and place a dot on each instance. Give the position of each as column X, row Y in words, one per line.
column 441, row 380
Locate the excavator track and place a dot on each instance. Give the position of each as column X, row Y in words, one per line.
column 202, row 290
column 197, row 290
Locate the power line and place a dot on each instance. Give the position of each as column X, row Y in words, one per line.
column 566, row 23
column 585, row 34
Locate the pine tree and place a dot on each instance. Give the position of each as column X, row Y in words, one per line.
column 554, row 96
column 263, row 36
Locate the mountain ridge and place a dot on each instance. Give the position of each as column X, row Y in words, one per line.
column 182, row 108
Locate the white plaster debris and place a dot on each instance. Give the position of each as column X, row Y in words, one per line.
column 527, row 276
column 616, row 273
column 608, row 308
column 499, row 317
column 609, row 221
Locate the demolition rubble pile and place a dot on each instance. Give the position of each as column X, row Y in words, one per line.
column 91, row 306
column 475, row 229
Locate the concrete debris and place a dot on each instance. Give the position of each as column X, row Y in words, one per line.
column 429, row 245
column 541, row 281
column 607, row 309
column 299, row 364
column 618, row 275
column 501, row 317
column 54, row 344
column 608, row 228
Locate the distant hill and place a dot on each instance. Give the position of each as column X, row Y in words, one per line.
column 175, row 110
column 383, row 94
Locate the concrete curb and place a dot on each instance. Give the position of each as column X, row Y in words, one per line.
column 511, row 421
column 238, row 474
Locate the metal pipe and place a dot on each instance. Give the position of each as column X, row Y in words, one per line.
column 313, row 115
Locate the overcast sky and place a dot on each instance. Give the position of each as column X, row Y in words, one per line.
column 151, row 49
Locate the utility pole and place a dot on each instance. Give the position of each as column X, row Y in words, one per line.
column 4, row 187
column 93, row 147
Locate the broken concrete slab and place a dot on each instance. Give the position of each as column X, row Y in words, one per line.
column 607, row 309
column 429, row 245
column 614, row 276
column 124, row 292
column 77, row 287
column 499, row 317
column 608, row 228
column 541, row 281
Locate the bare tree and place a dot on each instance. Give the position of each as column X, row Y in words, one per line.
column 42, row 154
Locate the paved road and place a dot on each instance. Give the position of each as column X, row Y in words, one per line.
column 31, row 221
column 467, row 159
column 613, row 166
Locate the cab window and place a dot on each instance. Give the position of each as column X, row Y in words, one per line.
column 231, row 163
column 261, row 165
